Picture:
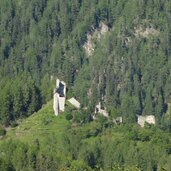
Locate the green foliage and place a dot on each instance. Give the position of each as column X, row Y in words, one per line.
column 35, row 145
column 2, row 131
column 43, row 39
column 69, row 117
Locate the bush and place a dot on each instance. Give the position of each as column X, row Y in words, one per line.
column 68, row 117
column 2, row 131
column 102, row 119
column 14, row 124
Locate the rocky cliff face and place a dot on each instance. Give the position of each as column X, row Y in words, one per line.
column 94, row 34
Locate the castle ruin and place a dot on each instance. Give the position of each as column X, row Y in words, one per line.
column 99, row 109
column 74, row 102
column 59, row 97
column 150, row 119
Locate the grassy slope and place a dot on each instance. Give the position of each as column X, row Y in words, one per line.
column 44, row 126
column 49, row 130
column 40, row 126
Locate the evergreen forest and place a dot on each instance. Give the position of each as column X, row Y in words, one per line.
column 116, row 52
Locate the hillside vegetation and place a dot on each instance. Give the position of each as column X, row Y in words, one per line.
column 117, row 52
column 129, row 67
column 46, row 142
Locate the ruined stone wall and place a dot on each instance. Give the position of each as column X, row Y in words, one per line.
column 59, row 97
column 61, row 104
column 98, row 109
column 55, row 104
column 150, row 119
column 74, row 102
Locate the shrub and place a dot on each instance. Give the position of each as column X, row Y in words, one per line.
column 68, row 117
column 14, row 124
column 2, row 131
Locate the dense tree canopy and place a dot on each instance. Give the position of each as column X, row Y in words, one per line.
column 129, row 71
column 43, row 39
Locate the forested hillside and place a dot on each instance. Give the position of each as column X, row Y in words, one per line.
column 41, row 40
column 129, row 68
column 44, row 142
column 117, row 52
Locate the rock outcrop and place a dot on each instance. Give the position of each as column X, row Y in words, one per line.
column 139, row 32
column 97, row 33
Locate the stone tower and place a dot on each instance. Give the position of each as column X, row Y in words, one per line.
column 59, row 97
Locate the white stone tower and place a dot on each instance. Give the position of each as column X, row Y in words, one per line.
column 59, row 97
